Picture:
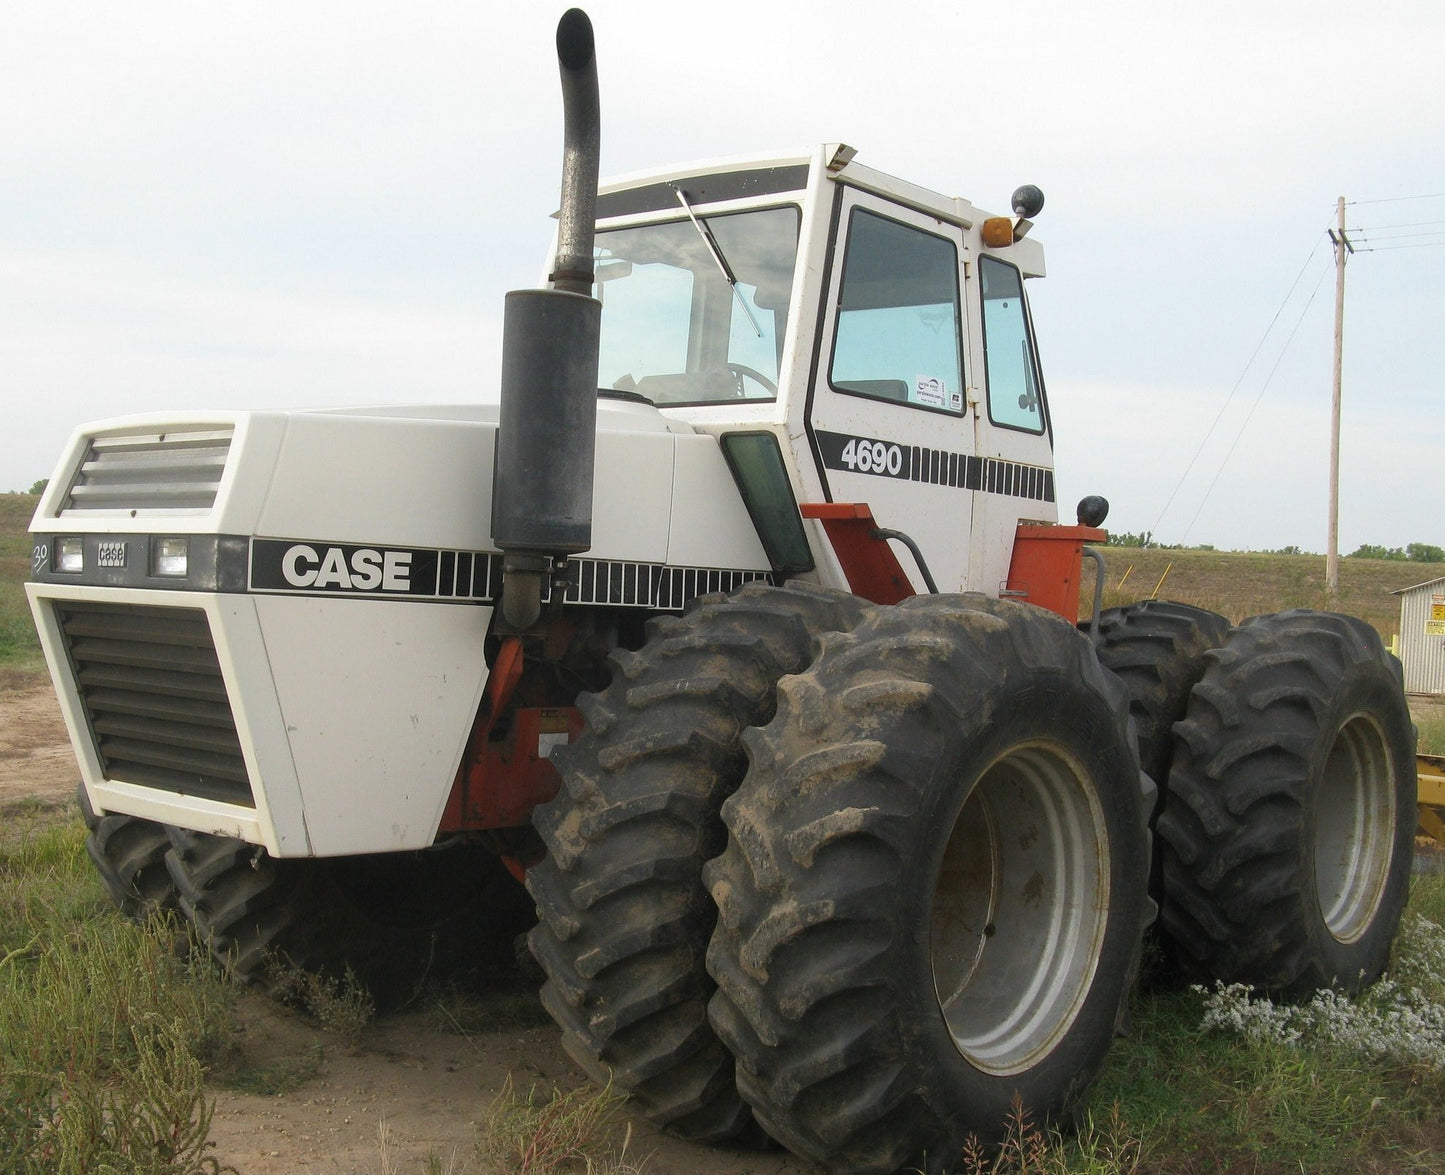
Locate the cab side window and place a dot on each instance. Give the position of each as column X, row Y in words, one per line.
column 1013, row 389
column 897, row 333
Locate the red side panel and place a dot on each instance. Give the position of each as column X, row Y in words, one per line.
column 506, row 772
column 509, row 776
column 868, row 561
column 1047, row 566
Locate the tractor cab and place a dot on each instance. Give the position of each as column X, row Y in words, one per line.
column 871, row 328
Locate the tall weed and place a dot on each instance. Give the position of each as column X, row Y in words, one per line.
column 103, row 1029
column 552, row 1133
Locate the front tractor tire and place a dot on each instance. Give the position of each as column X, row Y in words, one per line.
column 625, row 919
column 130, row 855
column 1288, row 831
column 933, row 895
column 387, row 920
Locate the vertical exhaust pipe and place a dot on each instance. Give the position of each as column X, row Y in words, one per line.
column 581, row 151
column 547, row 434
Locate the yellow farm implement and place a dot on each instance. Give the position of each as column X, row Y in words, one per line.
column 1432, row 795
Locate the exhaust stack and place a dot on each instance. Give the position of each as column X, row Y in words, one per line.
column 547, row 435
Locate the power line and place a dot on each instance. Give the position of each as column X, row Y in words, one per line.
column 1388, row 248
column 1399, row 199
column 1230, row 398
column 1258, row 396
column 1394, row 236
column 1370, row 228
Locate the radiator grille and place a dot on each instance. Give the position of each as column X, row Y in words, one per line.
column 169, row 471
column 155, row 700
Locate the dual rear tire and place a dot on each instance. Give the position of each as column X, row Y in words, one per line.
column 934, row 889
column 935, row 878
column 1287, row 835
column 624, row 918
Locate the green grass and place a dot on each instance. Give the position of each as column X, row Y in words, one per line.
column 104, row 1030
column 1204, row 1101
column 274, row 1078
column 1430, row 722
column 556, row 1132
column 499, row 1003
column 19, row 646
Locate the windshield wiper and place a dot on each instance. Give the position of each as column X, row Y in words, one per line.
column 717, row 255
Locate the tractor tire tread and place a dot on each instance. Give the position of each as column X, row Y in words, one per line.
column 624, row 919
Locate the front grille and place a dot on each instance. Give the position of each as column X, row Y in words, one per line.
column 132, row 474
column 155, row 700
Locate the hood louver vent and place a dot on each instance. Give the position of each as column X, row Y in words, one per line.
column 157, row 472
column 155, row 700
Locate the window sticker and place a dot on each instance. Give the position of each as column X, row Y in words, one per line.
column 928, row 390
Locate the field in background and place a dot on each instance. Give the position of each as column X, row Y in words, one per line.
column 1239, row 584
column 19, row 648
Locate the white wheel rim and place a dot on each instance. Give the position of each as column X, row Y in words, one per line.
column 1020, row 907
column 1354, row 829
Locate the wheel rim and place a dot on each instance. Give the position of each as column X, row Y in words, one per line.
column 1020, row 906
column 1354, row 828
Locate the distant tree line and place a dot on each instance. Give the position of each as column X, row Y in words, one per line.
column 1145, row 539
column 37, row 488
column 1411, row 553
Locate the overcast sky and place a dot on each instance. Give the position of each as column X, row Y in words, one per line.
column 266, row 205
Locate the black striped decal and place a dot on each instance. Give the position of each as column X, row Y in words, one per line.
column 989, row 475
column 650, row 585
column 321, row 569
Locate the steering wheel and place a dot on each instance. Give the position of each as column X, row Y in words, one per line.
column 742, row 371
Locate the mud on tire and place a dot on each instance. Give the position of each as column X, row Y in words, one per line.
column 625, row 919
column 1288, row 832
column 388, row 918
column 933, row 893
column 1156, row 648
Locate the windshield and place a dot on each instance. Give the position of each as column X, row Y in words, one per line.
column 674, row 330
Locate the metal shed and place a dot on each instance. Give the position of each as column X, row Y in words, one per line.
column 1422, row 636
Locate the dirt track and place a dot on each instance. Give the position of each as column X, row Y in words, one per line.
column 35, row 756
column 407, row 1093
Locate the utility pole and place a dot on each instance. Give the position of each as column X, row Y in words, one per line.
column 1332, row 550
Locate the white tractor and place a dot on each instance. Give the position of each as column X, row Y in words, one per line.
column 760, row 664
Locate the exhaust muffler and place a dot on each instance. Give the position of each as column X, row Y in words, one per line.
column 547, row 435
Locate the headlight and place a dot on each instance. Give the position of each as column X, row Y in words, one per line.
column 171, row 557
column 70, row 554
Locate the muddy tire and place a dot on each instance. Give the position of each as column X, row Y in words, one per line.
column 130, row 855
column 390, row 919
column 933, row 894
column 1156, row 648
column 625, row 919
column 1288, row 831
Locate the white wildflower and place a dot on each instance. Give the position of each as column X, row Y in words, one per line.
column 1397, row 1021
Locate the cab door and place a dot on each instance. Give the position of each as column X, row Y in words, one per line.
column 889, row 416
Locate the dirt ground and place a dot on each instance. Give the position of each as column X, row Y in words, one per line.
column 408, row 1095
